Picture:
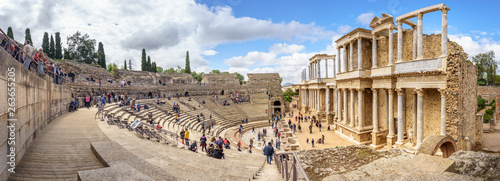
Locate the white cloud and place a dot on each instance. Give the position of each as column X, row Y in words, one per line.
column 284, row 48
column 365, row 18
column 473, row 47
column 344, row 29
column 209, row 52
column 165, row 29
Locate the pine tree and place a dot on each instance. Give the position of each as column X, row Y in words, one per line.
column 148, row 68
column 45, row 43
column 27, row 36
column 58, row 54
column 52, row 48
column 10, row 34
column 153, row 67
column 188, row 66
column 143, row 60
column 130, row 64
column 125, row 64
column 101, row 56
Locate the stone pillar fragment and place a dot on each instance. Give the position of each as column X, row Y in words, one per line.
column 444, row 32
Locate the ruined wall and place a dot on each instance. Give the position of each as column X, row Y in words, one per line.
column 461, row 99
column 382, row 51
column 220, row 79
column 270, row 80
column 488, row 92
column 37, row 101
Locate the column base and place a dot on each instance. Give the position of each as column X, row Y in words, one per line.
column 391, row 140
column 378, row 140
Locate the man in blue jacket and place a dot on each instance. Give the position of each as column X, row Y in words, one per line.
column 269, row 151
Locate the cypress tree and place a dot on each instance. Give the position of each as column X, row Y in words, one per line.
column 188, row 66
column 143, row 60
column 153, row 67
column 52, row 48
column 10, row 34
column 101, row 55
column 45, row 43
column 58, row 54
column 125, row 64
column 130, row 64
column 148, row 64
column 27, row 36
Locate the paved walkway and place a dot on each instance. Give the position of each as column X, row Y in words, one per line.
column 62, row 149
column 331, row 138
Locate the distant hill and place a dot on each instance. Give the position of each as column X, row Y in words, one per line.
column 286, row 84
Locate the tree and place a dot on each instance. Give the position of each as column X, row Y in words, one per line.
column 188, row 66
column 81, row 48
column 58, row 54
column 27, row 36
column 124, row 64
column 111, row 68
column 45, row 43
column 143, row 60
column 52, row 48
column 101, row 56
column 485, row 63
column 159, row 69
column 130, row 64
column 215, row 72
column 10, row 34
column 170, row 70
column 241, row 77
column 153, row 67
column 148, row 64
column 197, row 77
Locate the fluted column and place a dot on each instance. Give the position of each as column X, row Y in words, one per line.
column 360, row 54
column 391, row 47
column 345, row 106
column 345, row 60
column 319, row 68
column 360, row 109
column 444, row 32
column 326, row 68
column 319, row 99
column 309, row 75
column 334, row 102
column 420, row 37
column 400, row 41
column 391, row 112
column 375, row 110
column 327, row 99
column 420, row 116
column 374, row 52
column 414, row 42
column 351, row 109
column 443, row 111
column 351, row 53
column 401, row 118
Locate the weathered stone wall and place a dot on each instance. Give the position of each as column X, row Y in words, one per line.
column 38, row 102
column 220, row 79
column 270, row 80
column 83, row 70
column 488, row 92
column 461, row 97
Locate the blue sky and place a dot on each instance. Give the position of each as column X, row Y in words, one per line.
column 246, row 36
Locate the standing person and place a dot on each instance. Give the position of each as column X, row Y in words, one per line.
column 312, row 142
column 269, row 151
column 319, row 125
column 251, row 142
column 323, row 139
column 278, row 144
column 87, row 101
column 203, row 143
column 186, row 137
column 139, row 107
column 182, row 135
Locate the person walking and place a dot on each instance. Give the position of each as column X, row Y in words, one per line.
column 87, row 101
column 203, row 143
column 269, row 151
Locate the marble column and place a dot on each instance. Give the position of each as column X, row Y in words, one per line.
column 335, row 67
column 414, row 42
column 444, row 32
column 345, row 106
column 309, row 75
column 351, row 109
column 414, row 125
column 334, row 102
column 327, row 100
column 401, row 118
column 319, row 99
column 326, row 68
column 420, row 117
column 375, row 110
column 400, row 41
column 360, row 54
column 319, row 68
column 391, row 47
column 360, row 109
column 345, row 61
column 391, row 112
column 443, row 111
column 338, row 61
column 374, row 52
column 351, row 64
column 420, row 37
column 313, row 70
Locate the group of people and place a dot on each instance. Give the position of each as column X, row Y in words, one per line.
column 32, row 59
column 237, row 98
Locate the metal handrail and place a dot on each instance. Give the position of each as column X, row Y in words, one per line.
column 294, row 171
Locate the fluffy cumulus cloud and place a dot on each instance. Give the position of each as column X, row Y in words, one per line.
column 166, row 29
column 473, row 44
column 344, row 29
column 365, row 18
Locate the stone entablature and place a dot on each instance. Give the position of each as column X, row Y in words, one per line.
column 381, row 102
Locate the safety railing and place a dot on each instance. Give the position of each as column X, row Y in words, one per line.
column 16, row 51
column 289, row 166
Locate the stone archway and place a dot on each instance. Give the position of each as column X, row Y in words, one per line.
column 437, row 143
